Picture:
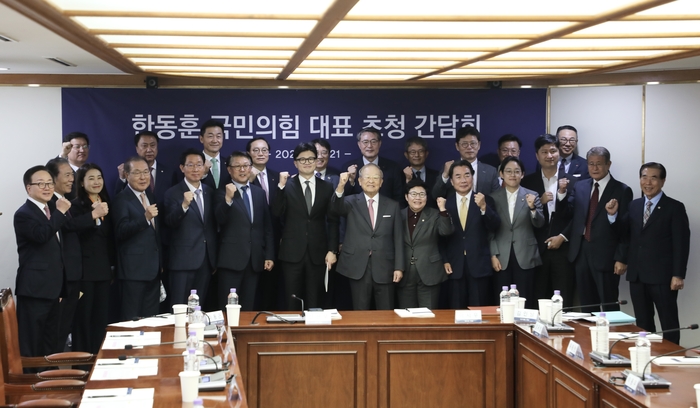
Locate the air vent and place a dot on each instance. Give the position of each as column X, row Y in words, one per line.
column 60, row 61
column 5, row 38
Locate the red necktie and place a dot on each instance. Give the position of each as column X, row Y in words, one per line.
column 591, row 212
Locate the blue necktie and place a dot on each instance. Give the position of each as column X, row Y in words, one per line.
column 246, row 202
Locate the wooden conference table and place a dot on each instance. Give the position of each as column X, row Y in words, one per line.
column 377, row 359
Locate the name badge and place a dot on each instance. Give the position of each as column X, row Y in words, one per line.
column 573, row 350
column 468, row 316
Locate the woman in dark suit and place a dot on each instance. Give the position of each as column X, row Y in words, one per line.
column 97, row 244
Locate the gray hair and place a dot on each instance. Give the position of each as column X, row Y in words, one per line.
column 369, row 165
column 599, row 151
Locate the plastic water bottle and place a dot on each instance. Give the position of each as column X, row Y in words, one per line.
column 197, row 316
column 192, row 301
column 505, row 297
column 233, row 297
column 602, row 333
column 191, row 361
column 514, row 294
column 557, row 303
column 643, row 353
column 192, row 341
column 197, row 403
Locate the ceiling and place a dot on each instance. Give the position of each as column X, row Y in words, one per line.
column 386, row 42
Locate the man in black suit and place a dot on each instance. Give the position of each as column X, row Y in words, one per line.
column 309, row 242
column 468, row 144
column 369, row 140
column 161, row 176
column 323, row 171
column 246, row 239
column 372, row 255
column 41, row 275
column 508, row 145
column 136, row 227
column 211, row 136
column 598, row 247
column 571, row 164
column 659, row 234
column 75, row 149
column 556, row 272
column 416, row 152
column 189, row 214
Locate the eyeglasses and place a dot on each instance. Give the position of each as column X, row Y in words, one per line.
column 322, row 153
column 80, row 147
column 43, row 185
column 372, row 142
column 513, row 152
column 305, row 160
column 191, row 166
column 413, row 194
column 240, row 166
column 416, row 152
column 509, row 172
column 563, row 140
column 258, row 150
column 138, row 173
column 464, row 145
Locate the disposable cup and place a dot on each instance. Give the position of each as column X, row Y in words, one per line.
column 189, row 385
column 233, row 314
column 180, row 312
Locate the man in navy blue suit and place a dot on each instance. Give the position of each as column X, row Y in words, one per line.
column 189, row 213
column 416, row 152
column 323, row 171
column 570, row 164
column 659, row 234
column 211, row 136
column 41, row 274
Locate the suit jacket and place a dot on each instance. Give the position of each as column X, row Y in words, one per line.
column 191, row 238
column 559, row 219
column 70, row 245
column 608, row 239
column 165, row 178
column 96, row 243
column 578, row 169
column 658, row 250
column 384, row 242
column 314, row 233
column 393, row 183
column 224, row 177
column 332, row 176
column 241, row 241
column 423, row 246
column 273, row 178
column 520, row 233
column 486, row 182
column 40, row 273
column 472, row 240
column 139, row 255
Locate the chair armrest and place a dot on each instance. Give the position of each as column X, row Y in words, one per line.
column 68, row 374
column 45, row 403
column 63, row 359
column 58, row 385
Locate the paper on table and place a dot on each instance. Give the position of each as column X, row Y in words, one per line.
column 574, row 316
column 415, row 312
column 117, row 340
column 115, row 369
column 633, row 335
column 678, row 360
column 158, row 321
column 118, row 397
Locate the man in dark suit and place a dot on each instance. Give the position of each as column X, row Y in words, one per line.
column 41, row 275
column 323, row 171
column 309, row 242
column 369, row 140
column 189, row 214
column 508, row 145
column 465, row 253
column 211, row 136
column 659, row 234
column 423, row 227
column 372, row 255
column 136, row 227
column 75, row 149
column 416, row 152
column 556, row 272
column 571, row 164
column 468, row 145
column 598, row 248
column 246, row 239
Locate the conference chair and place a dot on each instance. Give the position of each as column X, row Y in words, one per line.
column 14, row 364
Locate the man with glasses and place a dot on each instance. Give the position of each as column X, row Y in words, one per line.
column 508, row 145
column 189, row 214
column 323, row 171
column 139, row 256
column 211, row 136
column 369, row 141
column 246, row 237
column 309, row 244
column 570, row 164
column 416, row 152
column 40, row 276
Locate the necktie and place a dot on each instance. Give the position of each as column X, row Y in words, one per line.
column 46, row 210
column 215, row 171
column 418, row 175
column 153, row 180
column 562, row 168
column 198, row 200
column 244, row 196
column 370, row 207
column 318, row 174
column 591, row 212
column 463, row 213
column 263, row 184
column 647, row 213
column 307, row 196
column 145, row 206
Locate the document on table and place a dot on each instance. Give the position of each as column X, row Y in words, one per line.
column 677, row 360
column 119, row 339
column 118, row 397
column 115, row 369
column 632, row 336
column 423, row 312
column 155, row 321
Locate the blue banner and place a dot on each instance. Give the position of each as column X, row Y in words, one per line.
column 111, row 117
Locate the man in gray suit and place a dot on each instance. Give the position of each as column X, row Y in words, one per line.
column 372, row 255
column 422, row 226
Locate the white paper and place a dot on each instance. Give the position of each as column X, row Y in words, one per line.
column 634, row 335
column 115, row 369
column 316, row 318
column 468, row 316
column 158, row 321
column 118, row 397
column 676, row 360
column 423, row 312
column 118, row 340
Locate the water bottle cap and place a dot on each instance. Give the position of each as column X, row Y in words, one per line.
column 513, row 286
column 505, row 288
column 196, row 308
column 193, row 292
column 602, row 314
column 556, row 292
column 198, row 401
column 233, row 290
column 191, row 350
column 642, row 334
column 193, row 333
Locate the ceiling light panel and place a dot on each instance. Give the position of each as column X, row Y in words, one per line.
column 204, row 53
column 211, row 42
column 347, row 77
column 618, row 43
column 395, row 55
column 545, row 64
column 512, row 71
column 676, row 9
column 221, row 75
column 443, row 29
column 577, row 55
column 417, row 45
column 644, row 29
column 374, row 64
column 187, row 68
column 363, row 71
column 211, row 62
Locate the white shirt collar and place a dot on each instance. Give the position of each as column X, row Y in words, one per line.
column 38, row 203
column 191, row 187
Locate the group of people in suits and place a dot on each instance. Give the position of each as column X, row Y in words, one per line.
column 372, row 235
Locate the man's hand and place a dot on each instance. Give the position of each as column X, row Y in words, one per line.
column 546, row 197
column 253, row 174
column 122, row 173
column 408, row 173
column 563, row 184
column 151, row 212
column 448, row 268
column 330, row 259
column 611, row 207
column 495, row 263
column 446, row 169
column 676, row 283
column 99, row 210
column 554, row 242
column 207, row 166
column 480, row 200
column 343, row 179
column 230, row 191
column 66, row 147
column 397, row 276
column 620, row 268
column 352, row 174
column 268, row 265
column 530, row 200
column 284, row 175
column 441, row 203
column 187, row 198
column 62, row 205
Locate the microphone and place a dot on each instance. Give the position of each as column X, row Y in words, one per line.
column 617, row 302
column 653, row 380
column 291, row 319
column 302, row 303
column 131, row 346
column 125, row 357
column 691, row 327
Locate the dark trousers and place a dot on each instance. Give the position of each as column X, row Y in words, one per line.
column 524, row 279
column 412, row 292
column 37, row 321
column 66, row 314
column 140, row 298
column 182, row 282
column 645, row 296
column 594, row 285
column 91, row 316
column 555, row 273
column 305, row 280
column 362, row 290
column 245, row 282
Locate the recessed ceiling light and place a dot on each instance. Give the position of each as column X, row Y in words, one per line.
column 283, row 87
column 526, row 86
column 33, row 85
column 653, row 83
column 4, row 69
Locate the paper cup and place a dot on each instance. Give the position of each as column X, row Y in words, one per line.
column 598, row 344
column 521, row 302
column 545, row 310
column 189, row 385
column 180, row 338
column 697, row 393
column 233, row 314
column 180, row 312
column 199, row 329
column 508, row 312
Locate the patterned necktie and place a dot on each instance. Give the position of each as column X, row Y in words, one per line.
column 307, row 196
column 418, row 175
column 198, row 200
column 215, row 171
column 562, row 168
column 246, row 202
column 591, row 212
column 263, row 184
column 145, row 207
column 463, row 210
column 153, row 180
column 647, row 213
column 371, row 211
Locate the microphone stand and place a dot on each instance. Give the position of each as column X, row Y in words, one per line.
column 652, row 380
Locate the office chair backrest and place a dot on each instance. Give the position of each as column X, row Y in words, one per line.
column 9, row 337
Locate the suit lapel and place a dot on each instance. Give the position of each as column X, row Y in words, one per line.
column 420, row 223
column 194, row 205
column 381, row 206
column 605, row 197
column 362, row 208
column 519, row 204
column 656, row 213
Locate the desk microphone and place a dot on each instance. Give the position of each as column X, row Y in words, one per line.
column 617, row 302
column 691, row 327
column 125, row 357
column 302, row 303
column 652, row 380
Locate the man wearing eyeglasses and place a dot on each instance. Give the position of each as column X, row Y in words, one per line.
column 137, row 231
column 40, row 276
column 416, row 152
column 189, row 214
column 211, row 136
column 570, row 164
column 307, row 248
